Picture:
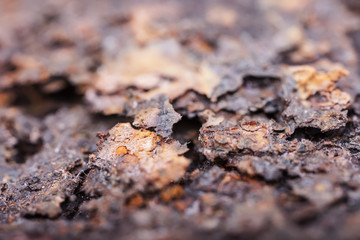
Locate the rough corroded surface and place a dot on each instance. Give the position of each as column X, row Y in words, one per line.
column 317, row 102
column 157, row 113
column 141, row 157
column 179, row 119
column 219, row 141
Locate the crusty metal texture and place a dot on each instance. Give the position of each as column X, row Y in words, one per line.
column 179, row 119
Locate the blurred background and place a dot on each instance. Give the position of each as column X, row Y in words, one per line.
column 101, row 50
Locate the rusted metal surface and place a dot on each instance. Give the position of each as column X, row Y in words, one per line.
column 179, row 119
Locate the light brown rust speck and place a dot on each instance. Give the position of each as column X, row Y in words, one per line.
column 310, row 81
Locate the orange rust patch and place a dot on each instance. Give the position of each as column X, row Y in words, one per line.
column 310, row 81
column 172, row 192
column 136, row 201
column 148, row 158
column 121, row 150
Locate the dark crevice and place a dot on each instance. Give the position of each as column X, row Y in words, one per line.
column 284, row 57
column 41, row 99
column 198, row 160
column 186, row 131
column 8, row 67
column 272, row 111
column 253, row 81
column 37, row 216
column 224, row 164
column 305, row 133
column 278, row 182
column 251, row 88
column 246, row 151
column 315, row 134
column 111, row 120
column 318, row 215
column 190, row 98
column 26, row 149
column 355, row 107
column 231, row 162
column 70, row 207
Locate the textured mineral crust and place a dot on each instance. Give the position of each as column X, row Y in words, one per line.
column 141, row 157
column 169, row 119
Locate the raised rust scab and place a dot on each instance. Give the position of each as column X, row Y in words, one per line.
column 131, row 150
column 251, row 126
